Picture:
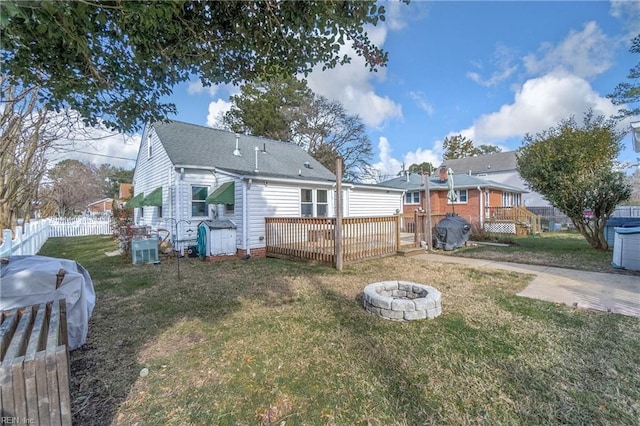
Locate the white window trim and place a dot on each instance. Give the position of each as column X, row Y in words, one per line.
column 458, row 197
column 412, row 203
column 149, row 147
column 191, row 201
column 314, row 201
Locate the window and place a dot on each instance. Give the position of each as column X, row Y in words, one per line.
column 412, row 197
column 461, row 195
column 322, row 206
column 314, row 203
column 160, row 211
column 306, row 202
column 229, row 209
column 149, row 147
column 198, row 204
column 510, row 199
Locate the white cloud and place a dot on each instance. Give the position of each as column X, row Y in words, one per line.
column 196, row 87
column 540, row 104
column 502, row 60
column 99, row 146
column 350, row 85
column 395, row 15
column 629, row 13
column 586, row 54
column 216, row 109
column 421, row 101
column 388, row 166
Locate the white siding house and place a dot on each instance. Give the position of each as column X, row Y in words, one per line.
column 501, row 167
column 208, row 174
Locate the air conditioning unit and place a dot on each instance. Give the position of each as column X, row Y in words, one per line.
column 144, row 250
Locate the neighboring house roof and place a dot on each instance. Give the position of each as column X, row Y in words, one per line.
column 104, row 203
column 488, row 163
column 461, row 181
column 190, row 145
column 125, row 192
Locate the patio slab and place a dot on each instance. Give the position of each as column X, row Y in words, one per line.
column 615, row 293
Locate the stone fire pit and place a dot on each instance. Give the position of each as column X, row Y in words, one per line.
column 402, row 300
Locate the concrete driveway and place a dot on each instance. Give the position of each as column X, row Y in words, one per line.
column 616, row 293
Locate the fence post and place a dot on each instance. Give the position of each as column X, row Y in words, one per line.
column 398, row 229
column 7, row 241
column 338, row 243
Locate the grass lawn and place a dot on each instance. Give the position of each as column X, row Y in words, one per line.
column 267, row 341
column 561, row 249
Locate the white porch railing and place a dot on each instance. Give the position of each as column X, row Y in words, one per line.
column 30, row 237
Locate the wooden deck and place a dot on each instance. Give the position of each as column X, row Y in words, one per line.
column 313, row 238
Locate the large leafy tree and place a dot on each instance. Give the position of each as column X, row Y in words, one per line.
column 425, row 167
column 117, row 61
column 573, row 167
column 110, row 178
column 487, row 149
column 73, row 185
column 628, row 93
column 286, row 109
column 458, row 146
column 28, row 135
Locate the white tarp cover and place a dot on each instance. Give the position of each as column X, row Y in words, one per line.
column 31, row 280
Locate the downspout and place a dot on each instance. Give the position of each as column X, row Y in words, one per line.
column 480, row 206
column 169, row 198
column 245, row 216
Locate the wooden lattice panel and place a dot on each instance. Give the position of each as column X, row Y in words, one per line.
column 500, row 227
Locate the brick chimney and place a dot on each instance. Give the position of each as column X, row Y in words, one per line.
column 443, row 173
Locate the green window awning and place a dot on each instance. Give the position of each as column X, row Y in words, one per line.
column 225, row 194
column 135, row 201
column 154, row 198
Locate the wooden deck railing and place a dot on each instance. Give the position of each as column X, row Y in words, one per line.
column 313, row 238
column 525, row 221
column 409, row 221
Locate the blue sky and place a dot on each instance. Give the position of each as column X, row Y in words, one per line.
column 491, row 71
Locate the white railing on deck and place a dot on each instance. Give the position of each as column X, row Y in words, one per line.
column 30, row 237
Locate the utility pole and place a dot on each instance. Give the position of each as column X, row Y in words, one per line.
column 339, row 249
column 427, row 195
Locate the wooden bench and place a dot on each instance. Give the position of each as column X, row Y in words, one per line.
column 34, row 367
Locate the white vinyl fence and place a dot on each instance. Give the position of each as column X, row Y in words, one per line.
column 30, row 237
column 75, row 227
column 626, row 211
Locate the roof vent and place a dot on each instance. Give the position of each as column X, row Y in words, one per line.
column 236, row 151
column 307, row 165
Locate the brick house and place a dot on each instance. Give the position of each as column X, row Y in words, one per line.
column 475, row 196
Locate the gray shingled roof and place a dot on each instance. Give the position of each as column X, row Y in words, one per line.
column 460, row 180
column 191, row 145
column 498, row 162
